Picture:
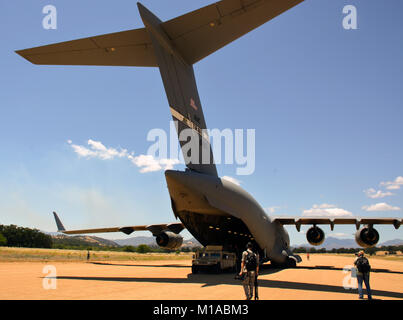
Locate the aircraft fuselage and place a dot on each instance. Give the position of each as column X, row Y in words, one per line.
column 219, row 212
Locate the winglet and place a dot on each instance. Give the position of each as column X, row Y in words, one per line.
column 59, row 224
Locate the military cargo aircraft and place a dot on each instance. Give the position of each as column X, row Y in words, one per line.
column 214, row 210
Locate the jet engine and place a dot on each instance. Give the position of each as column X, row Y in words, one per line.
column 315, row 236
column 367, row 237
column 169, row 240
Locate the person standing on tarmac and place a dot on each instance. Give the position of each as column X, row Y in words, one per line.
column 363, row 271
column 250, row 271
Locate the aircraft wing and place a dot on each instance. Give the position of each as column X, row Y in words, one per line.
column 126, row 48
column 195, row 34
column 155, row 229
column 199, row 33
column 357, row 221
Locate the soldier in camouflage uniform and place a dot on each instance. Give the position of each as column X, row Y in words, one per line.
column 250, row 270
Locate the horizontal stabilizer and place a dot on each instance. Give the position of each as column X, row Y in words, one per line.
column 126, row 48
column 199, row 33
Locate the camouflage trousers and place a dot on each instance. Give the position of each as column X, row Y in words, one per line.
column 249, row 284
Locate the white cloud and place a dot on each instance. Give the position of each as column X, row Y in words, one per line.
column 97, row 150
column 324, row 206
column 146, row 163
column 169, row 163
column 271, row 210
column 393, row 185
column 233, row 180
column 373, row 194
column 83, row 151
column 339, row 235
column 327, row 210
column 382, row 206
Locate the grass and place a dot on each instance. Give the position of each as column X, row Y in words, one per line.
column 9, row 254
column 350, row 255
column 12, row 254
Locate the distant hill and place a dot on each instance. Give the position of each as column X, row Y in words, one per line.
column 150, row 241
column 135, row 241
column 335, row 243
column 394, row 242
column 90, row 241
column 191, row 243
column 60, row 238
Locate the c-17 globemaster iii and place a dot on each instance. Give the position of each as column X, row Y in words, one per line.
column 214, row 210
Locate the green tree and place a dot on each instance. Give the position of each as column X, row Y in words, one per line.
column 3, row 240
column 129, row 249
column 25, row 237
column 143, row 248
column 371, row 251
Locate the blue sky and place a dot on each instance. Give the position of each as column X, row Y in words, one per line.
column 326, row 104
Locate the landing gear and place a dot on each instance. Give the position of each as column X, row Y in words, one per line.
column 291, row 263
column 195, row 269
column 217, row 268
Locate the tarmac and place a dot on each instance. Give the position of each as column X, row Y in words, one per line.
column 322, row 277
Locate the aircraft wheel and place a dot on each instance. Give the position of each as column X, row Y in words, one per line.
column 218, row 268
column 291, row 263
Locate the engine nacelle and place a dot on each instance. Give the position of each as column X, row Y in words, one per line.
column 169, row 240
column 315, row 236
column 367, row 237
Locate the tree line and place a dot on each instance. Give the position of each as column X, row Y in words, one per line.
column 142, row 248
column 370, row 251
column 14, row 236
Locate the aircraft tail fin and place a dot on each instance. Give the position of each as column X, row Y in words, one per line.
column 59, row 224
column 181, row 42
column 183, row 97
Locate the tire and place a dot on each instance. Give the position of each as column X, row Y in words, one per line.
column 291, row 263
column 218, row 268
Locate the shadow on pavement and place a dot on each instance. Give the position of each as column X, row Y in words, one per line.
column 142, row 265
column 228, row 279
